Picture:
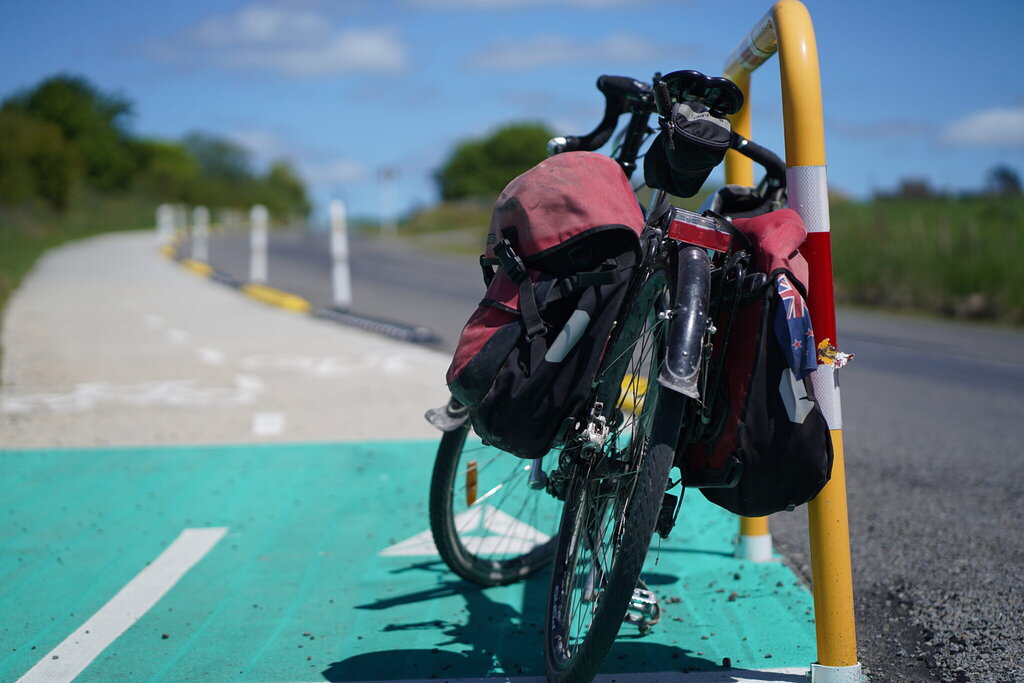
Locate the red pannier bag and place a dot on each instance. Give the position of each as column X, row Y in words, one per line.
column 563, row 240
column 768, row 448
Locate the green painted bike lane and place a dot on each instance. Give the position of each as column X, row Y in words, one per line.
column 296, row 588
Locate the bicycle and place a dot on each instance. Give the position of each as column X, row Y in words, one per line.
column 655, row 391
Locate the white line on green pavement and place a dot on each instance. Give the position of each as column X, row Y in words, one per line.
column 78, row 650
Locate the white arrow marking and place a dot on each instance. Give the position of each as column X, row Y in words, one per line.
column 493, row 532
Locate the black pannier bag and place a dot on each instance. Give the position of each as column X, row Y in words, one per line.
column 692, row 143
column 769, row 447
column 563, row 240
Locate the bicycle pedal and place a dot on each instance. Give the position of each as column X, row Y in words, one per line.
column 644, row 610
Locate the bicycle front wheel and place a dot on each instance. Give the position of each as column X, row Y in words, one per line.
column 490, row 527
column 614, row 496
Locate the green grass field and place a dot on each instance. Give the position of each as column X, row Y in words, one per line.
column 944, row 256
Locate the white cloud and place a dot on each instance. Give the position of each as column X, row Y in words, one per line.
column 344, row 52
column 256, row 24
column 289, row 42
column 334, row 172
column 555, row 49
column 313, row 164
column 1002, row 126
column 263, row 144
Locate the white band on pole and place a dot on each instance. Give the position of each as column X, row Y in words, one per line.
column 341, row 276
column 259, row 220
column 836, row 674
column 755, row 548
column 201, row 234
column 807, row 189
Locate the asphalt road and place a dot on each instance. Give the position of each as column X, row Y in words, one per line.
column 933, row 421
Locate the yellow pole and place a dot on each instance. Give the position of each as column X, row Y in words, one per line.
column 739, row 169
column 787, row 29
column 831, row 570
column 828, row 523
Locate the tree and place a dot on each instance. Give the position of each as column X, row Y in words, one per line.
column 168, row 170
column 287, row 193
column 218, row 158
column 36, row 161
column 483, row 167
column 92, row 121
column 1002, row 179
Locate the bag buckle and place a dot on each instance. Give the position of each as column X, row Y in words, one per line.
column 510, row 261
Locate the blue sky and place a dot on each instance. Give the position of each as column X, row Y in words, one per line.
column 346, row 88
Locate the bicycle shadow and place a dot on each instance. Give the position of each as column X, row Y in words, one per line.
column 495, row 639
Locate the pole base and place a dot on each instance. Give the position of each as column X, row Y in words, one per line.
column 835, row 674
column 755, row 548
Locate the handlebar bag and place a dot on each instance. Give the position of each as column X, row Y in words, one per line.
column 562, row 243
column 692, row 142
column 769, row 449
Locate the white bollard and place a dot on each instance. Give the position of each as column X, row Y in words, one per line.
column 259, row 219
column 164, row 225
column 340, row 274
column 201, row 234
column 181, row 220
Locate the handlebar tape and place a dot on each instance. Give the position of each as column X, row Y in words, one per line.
column 619, row 92
column 624, row 87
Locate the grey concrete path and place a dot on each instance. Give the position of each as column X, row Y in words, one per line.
column 108, row 343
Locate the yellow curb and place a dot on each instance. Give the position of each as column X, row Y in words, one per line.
column 168, row 250
column 277, row 297
column 197, row 267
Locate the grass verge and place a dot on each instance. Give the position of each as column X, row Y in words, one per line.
column 27, row 232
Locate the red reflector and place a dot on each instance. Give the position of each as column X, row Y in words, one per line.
column 701, row 231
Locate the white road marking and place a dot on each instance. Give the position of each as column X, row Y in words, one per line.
column 178, row 336
column 70, row 658
column 368, row 363
column 268, row 424
column 210, row 356
column 178, row 393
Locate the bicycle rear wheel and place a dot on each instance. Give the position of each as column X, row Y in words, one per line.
column 489, row 526
column 614, row 496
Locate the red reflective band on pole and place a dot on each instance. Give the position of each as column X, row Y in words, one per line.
column 821, row 292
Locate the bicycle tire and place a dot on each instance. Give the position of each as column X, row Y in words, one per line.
column 500, row 537
column 593, row 580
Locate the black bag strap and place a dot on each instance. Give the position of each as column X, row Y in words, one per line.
column 516, row 271
column 512, row 265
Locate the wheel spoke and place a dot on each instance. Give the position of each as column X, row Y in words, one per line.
column 507, row 531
